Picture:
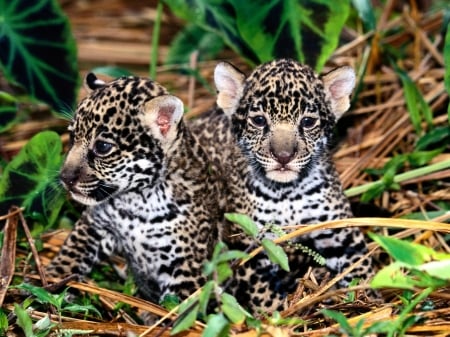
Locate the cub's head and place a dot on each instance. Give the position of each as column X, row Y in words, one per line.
column 119, row 136
column 283, row 114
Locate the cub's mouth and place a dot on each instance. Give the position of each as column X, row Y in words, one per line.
column 282, row 174
column 92, row 196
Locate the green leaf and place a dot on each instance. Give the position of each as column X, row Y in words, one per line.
column 392, row 276
column 40, row 293
column 408, row 253
column 8, row 111
column 217, row 325
column 38, row 50
column 224, row 272
column 85, row 308
column 31, row 179
column 418, row 108
column 262, row 30
column 44, row 323
column 193, row 39
column 245, row 222
column 231, row 255
column 420, row 158
column 3, row 323
column 231, row 308
column 366, row 13
column 437, row 269
column 170, row 301
column 439, row 136
column 204, row 296
column 188, row 314
column 375, row 191
column 24, row 320
column 339, row 318
column 275, row 253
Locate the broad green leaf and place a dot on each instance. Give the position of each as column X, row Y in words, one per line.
column 260, row 31
column 8, row 111
column 408, row 253
column 24, row 320
column 437, row 269
column 187, row 316
column 231, row 308
column 275, row 253
column 217, row 325
column 30, row 180
column 245, row 222
column 37, row 50
column 392, row 276
column 193, row 39
column 224, row 272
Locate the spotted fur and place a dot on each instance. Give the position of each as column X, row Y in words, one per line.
column 149, row 190
column 271, row 133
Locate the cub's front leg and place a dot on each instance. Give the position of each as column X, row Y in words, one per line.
column 86, row 245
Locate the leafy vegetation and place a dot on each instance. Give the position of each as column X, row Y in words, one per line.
column 415, row 266
column 261, row 31
column 31, row 180
column 37, row 51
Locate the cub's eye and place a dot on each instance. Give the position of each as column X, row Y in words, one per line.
column 102, row 148
column 308, row 122
column 259, row 121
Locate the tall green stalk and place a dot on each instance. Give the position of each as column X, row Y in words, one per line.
column 351, row 192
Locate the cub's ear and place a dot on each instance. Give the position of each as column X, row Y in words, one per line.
column 339, row 84
column 162, row 115
column 230, row 85
column 91, row 82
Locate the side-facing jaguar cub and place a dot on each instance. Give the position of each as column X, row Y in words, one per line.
column 149, row 190
column 271, row 133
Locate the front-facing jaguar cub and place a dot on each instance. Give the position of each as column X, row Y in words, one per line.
column 147, row 185
column 271, row 133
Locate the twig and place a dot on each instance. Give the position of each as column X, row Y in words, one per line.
column 34, row 251
column 8, row 257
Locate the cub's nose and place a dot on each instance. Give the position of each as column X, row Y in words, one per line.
column 283, row 157
column 69, row 177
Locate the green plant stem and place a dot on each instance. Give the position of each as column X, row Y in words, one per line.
column 155, row 41
column 406, row 311
column 351, row 192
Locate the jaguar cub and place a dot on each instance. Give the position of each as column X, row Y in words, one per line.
column 147, row 185
column 271, row 133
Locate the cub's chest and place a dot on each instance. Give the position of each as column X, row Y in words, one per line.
column 311, row 201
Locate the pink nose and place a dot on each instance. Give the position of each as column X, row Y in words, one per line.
column 283, row 157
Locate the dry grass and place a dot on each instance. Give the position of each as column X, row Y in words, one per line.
column 378, row 128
